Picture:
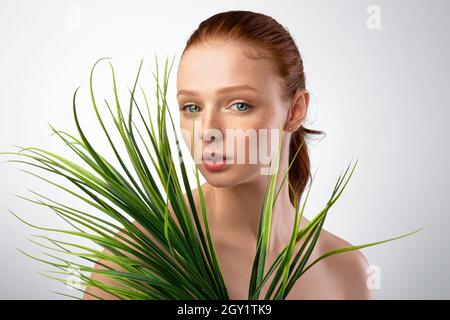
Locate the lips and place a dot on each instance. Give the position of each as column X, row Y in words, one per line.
column 215, row 162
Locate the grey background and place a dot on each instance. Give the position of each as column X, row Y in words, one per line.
column 380, row 95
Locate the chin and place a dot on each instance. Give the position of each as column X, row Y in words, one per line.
column 219, row 179
column 230, row 177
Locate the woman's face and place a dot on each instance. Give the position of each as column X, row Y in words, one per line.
column 230, row 98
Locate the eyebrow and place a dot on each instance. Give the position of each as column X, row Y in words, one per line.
column 219, row 91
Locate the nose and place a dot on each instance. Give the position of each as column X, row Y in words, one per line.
column 211, row 126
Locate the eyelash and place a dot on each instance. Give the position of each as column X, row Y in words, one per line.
column 239, row 102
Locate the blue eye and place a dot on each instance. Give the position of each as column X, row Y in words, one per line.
column 190, row 109
column 242, row 106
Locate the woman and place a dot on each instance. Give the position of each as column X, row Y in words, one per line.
column 241, row 71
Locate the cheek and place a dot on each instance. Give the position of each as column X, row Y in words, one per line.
column 263, row 118
column 258, row 143
column 266, row 126
column 268, row 117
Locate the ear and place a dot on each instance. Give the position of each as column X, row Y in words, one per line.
column 297, row 111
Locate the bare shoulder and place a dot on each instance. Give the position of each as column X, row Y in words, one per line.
column 348, row 268
column 95, row 293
